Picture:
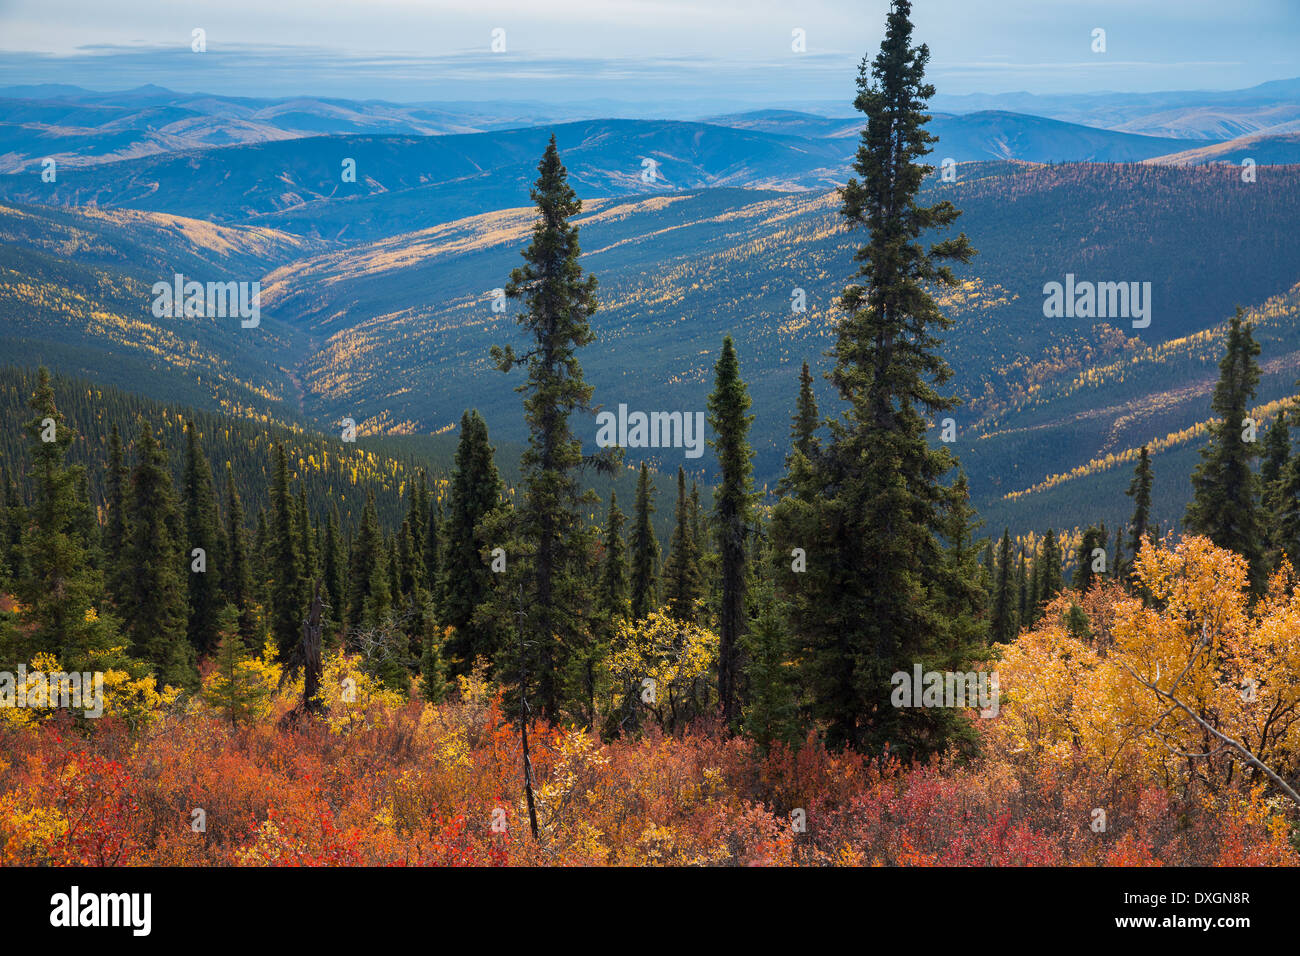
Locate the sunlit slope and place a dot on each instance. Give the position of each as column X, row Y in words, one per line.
column 150, row 243
column 405, row 324
column 1272, row 146
column 365, row 187
column 76, row 293
column 1070, row 452
column 403, row 183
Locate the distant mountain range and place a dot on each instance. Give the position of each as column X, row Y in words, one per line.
column 79, row 127
column 1207, row 114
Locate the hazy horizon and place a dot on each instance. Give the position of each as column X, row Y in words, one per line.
column 643, row 53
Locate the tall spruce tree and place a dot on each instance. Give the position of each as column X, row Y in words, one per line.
column 239, row 586
column 1272, row 482
column 262, row 559
column 418, row 513
column 283, row 560
column 433, row 551
column 1139, row 490
column 872, row 525
column 332, row 568
column 698, row 523
column 682, row 584
column 55, row 580
column 154, row 606
column 558, row 301
column 417, row 614
column 308, row 554
column 1225, row 500
column 733, row 505
column 1022, row 592
column 806, row 421
column 1085, row 558
column 115, row 482
column 1003, row 598
column 85, row 521
column 804, row 444
column 116, row 478
column 204, row 588
column 466, row 578
column 709, row 561
column 614, row 593
column 1050, row 576
column 369, row 597
column 645, row 550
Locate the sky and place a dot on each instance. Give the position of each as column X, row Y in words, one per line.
column 646, row 51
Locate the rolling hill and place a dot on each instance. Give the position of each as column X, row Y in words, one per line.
column 81, row 128
column 403, row 183
column 404, row 324
column 1099, row 418
column 377, row 296
column 1192, row 114
column 76, row 294
column 1263, row 148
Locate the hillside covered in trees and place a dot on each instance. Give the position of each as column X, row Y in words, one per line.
column 441, row 651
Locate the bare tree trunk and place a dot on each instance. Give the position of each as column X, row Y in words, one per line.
column 528, row 767
column 523, row 724
column 731, row 617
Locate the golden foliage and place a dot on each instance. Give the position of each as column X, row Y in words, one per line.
column 1103, row 694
